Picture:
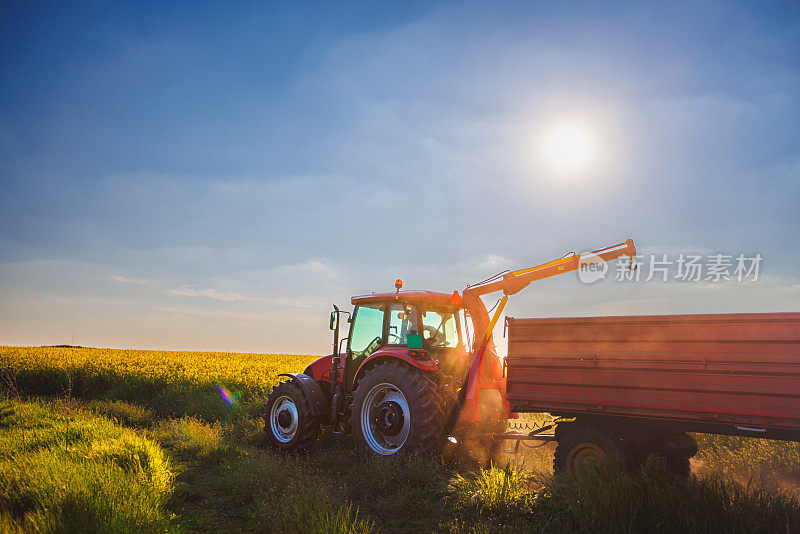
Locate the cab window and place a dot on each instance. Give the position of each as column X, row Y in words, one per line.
column 439, row 329
column 367, row 328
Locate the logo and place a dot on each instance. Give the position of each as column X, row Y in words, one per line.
column 591, row 268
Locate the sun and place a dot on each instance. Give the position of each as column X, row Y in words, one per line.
column 568, row 147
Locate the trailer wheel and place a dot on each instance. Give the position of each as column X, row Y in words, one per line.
column 676, row 465
column 396, row 410
column 672, row 450
column 288, row 421
column 584, row 445
column 679, row 466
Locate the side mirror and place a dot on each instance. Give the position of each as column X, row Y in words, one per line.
column 334, row 320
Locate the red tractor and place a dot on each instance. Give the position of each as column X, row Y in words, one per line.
column 417, row 367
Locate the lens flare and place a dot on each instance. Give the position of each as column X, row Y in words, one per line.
column 229, row 398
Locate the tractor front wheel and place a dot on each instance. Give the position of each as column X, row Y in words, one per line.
column 288, row 421
column 396, row 410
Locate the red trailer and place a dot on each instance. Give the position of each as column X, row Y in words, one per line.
column 635, row 385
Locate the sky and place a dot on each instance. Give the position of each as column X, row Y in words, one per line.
column 213, row 176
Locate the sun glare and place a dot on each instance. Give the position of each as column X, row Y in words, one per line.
column 568, row 148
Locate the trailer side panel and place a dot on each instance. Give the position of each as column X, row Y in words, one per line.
column 741, row 370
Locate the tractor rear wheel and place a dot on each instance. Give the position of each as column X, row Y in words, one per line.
column 396, row 410
column 288, row 421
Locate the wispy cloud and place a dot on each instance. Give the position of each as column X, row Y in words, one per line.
column 187, row 291
column 227, row 314
column 234, row 315
column 137, row 281
column 493, row 261
column 184, row 290
column 316, row 267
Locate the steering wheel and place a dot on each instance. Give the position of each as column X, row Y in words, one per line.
column 393, row 335
column 433, row 334
column 374, row 345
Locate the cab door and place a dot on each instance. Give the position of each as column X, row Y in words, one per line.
column 367, row 334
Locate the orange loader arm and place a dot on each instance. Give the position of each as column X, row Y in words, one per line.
column 485, row 370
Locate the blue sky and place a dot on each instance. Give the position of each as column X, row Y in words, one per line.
column 215, row 176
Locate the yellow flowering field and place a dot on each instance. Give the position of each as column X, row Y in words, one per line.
column 173, row 382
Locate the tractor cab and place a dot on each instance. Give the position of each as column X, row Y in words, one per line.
column 423, row 325
column 423, row 328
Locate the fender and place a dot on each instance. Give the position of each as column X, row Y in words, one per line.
column 400, row 353
column 316, row 398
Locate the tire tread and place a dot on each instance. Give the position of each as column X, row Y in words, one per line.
column 424, row 400
column 308, row 427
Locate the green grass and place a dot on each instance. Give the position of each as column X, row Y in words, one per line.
column 494, row 490
column 68, row 471
column 237, row 490
column 605, row 498
column 124, row 413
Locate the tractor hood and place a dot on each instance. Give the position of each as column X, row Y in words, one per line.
column 320, row 369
